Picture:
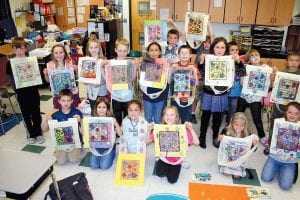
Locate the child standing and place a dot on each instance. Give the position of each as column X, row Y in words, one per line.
column 253, row 101
column 154, row 99
column 238, row 128
column 183, row 100
column 65, row 112
column 28, row 98
column 60, row 60
column 96, row 90
column 170, row 166
column 293, row 64
column 120, row 98
column 101, row 157
column 214, row 100
column 134, row 128
column 236, row 89
column 276, row 166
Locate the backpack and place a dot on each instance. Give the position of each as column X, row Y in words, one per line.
column 71, row 188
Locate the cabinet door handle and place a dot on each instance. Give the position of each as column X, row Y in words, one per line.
column 237, row 18
column 176, row 17
column 241, row 18
column 172, row 16
column 275, row 20
column 272, row 20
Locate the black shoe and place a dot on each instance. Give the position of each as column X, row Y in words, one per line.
column 216, row 143
column 193, row 119
column 202, row 143
column 267, row 151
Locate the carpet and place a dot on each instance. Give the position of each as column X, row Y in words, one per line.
column 9, row 122
column 33, row 148
column 202, row 191
column 246, row 180
column 85, row 162
column 45, row 97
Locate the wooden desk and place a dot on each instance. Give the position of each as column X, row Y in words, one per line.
column 22, row 172
column 6, row 50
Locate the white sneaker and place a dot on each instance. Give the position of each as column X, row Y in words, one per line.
column 40, row 139
column 31, row 140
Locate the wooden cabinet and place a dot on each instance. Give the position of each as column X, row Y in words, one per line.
column 216, row 12
column 274, row 12
column 240, row 11
column 292, row 42
column 275, row 62
column 164, row 7
column 86, row 15
column 181, row 7
column 63, row 20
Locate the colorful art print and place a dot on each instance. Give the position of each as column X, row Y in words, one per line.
column 61, row 79
column 169, row 141
column 89, row 70
column 182, row 82
column 196, row 25
column 26, row 72
column 235, row 150
column 153, row 72
column 154, row 33
column 100, row 132
column 286, row 139
column 65, row 134
column 130, row 169
column 257, row 80
column 119, row 74
column 219, row 70
column 287, row 89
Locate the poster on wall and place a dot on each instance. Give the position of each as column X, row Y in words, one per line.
column 219, row 70
column 257, row 81
column 26, row 72
column 286, row 139
column 286, row 88
column 65, row 134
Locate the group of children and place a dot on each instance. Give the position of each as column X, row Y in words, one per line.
column 127, row 112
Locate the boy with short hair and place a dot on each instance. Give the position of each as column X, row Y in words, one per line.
column 63, row 114
column 28, row 97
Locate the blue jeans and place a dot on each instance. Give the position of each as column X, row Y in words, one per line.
column 184, row 112
column 285, row 172
column 232, row 105
column 103, row 162
column 153, row 110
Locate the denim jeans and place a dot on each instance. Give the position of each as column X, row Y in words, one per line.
column 232, row 105
column 184, row 112
column 153, row 110
column 103, row 162
column 285, row 172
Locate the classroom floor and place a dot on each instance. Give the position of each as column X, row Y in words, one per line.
column 102, row 182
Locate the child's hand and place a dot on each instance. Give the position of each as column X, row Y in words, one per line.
column 275, row 69
column 220, row 137
column 236, row 58
column 188, row 125
column 151, row 126
column 255, row 141
column 202, row 58
column 78, row 117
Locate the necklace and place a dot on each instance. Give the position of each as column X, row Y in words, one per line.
column 133, row 125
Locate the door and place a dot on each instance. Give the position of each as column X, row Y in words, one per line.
column 283, row 12
column 216, row 12
column 265, row 12
column 232, row 11
column 181, row 7
column 163, row 7
column 140, row 11
column 201, row 6
column 248, row 11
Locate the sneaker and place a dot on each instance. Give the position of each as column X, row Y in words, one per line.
column 267, row 151
column 193, row 119
column 40, row 139
column 31, row 140
column 264, row 141
column 185, row 165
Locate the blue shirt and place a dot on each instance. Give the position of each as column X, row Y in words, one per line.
column 60, row 116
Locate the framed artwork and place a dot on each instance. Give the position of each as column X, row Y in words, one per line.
column 89, row 70
column 233, row 152
column 196, row 26
column 170, row 140
column 130, row 169
column 154, row 74
column 65, row 134
column 286, row 139
column 286, row 88
column 62, row 79
column 219, row 70
column 119, row 74
column 183, row 85
column 26, row 72
column 155, row 31
column 257, row 81
column 98, row 132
